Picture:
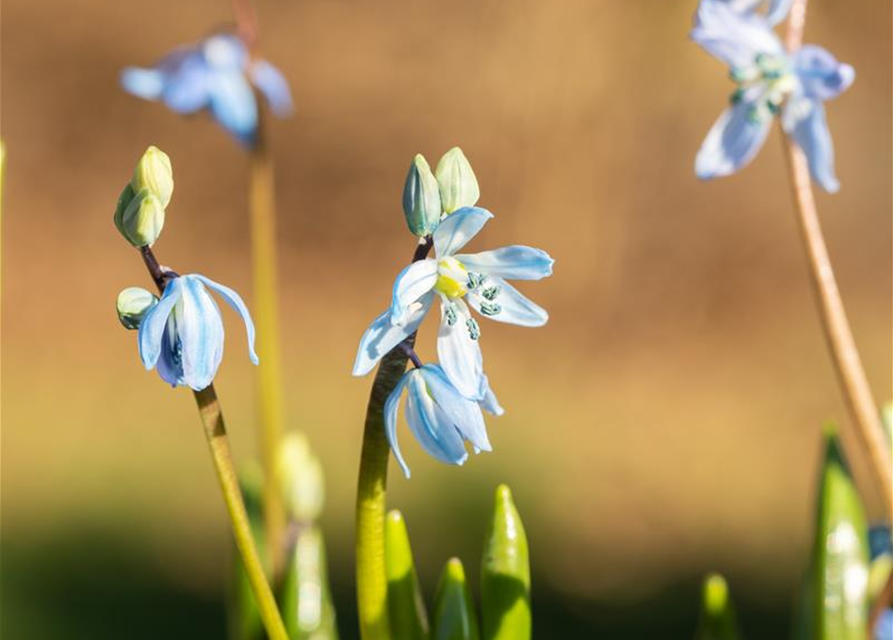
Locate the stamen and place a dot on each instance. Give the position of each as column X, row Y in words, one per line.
column 490, row 308
column 475, row 279
column 450, row 313
column 490, row 293
column 474, row 331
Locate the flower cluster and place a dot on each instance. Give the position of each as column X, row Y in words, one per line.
column 444, row 401
column 770, row 81
column 216, row 75
column 180, row 335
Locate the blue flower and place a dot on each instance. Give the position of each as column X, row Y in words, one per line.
column 458, row 281
column 215, row 74
column 441, row 418
column 883, row 630
column 770, row 82
column 182, row 335
column 775, row 11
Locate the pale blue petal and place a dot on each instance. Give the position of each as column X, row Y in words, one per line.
column 732, row 37
column 411, row 284
column 516, row 262
column 804, row 120
column 154, row 324
column 383, row 335
column 821, row 75
column 515, row 308
column 273, row 85
column 463, row 413
column 235, row 301
column 200, row 329
column 458, row 228
column 734, row 140
column 459, row 354
column 883, row 629
column 430, row 425
column 778, row 11
column 225, row 52
column 147, row 84
column 391, row 407
column 233, row 104
column 187, row 88
column 169, row 365
column 488, row 401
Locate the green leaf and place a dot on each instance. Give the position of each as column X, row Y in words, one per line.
column 305, row 599
column 834, row 600
column 454, row 617
column 718, row 620
column 243, row 617
column 505, row 574
column 406, row 607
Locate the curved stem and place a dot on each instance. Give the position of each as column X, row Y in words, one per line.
column 215, row 432
column 839, row 336
column 372, row 584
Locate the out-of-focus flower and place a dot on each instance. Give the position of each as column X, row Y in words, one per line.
column 217, row 75
column 883, row 630
column 182, row 335
column 775, row 11
column 133, row 303
column 441, row 418
column 770, row 82
column 458, row 281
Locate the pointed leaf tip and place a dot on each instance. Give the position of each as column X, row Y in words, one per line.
column 406, row 606
column 454, row 616
column 717, row 620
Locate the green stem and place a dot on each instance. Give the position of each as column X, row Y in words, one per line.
column 215, row 432
column 853, row 381
column 262, row 213
column 372, row 584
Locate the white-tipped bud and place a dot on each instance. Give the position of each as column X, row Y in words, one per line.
column 458, row 184
column 421, row 198
column 153, row 172
column 133, row 303
column 301, row 478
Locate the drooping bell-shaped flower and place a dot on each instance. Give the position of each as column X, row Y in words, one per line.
column 182, row 335
column 770, row 82
column 216, row 75
column 441, row 418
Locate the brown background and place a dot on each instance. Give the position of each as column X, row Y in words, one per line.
column 664, row 423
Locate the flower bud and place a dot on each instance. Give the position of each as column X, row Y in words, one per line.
column 133, row 303
column 458, row 184
column 153, row 172
column 142, row 218
column 421, row 198
column 301, row 478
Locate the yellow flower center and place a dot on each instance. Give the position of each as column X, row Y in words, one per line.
column 452, row 278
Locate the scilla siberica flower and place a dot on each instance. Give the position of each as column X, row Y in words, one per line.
column 458, row 281
column 441, row 418
column 182, row 334
column 775, row 11
column 770, row 82
column 217, row 75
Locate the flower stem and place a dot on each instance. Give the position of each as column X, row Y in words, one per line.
column 262, row 212
column 839, row 336
column 372, row 491
column 215, row 432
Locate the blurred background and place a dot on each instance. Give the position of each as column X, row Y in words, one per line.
column 663, row 424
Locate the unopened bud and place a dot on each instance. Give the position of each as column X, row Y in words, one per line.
column 153, row 172
column 301, row 478
column 458, row 184
column 141, row 219
column 133, row 303
column 421, row 198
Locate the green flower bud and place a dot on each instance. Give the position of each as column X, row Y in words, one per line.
column 458, row 184
column 133, row 303
column 141, row 219
column 153, row 172
column 717, row 620
column 421, row 198
column 301, row 478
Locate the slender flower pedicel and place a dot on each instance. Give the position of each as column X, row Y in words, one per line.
column 216, row 75
column 771, row 81
column 182, row 335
